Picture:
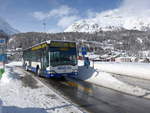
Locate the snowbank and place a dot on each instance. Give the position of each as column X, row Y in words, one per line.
column 96, row 76
column 10, row 74
column 107, row 80
column 15, row 63
column 138, row 70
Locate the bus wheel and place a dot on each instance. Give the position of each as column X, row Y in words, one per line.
column 26, row 68
column 63, row 78
column 38, row 72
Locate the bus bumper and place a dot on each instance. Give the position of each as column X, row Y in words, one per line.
column 59, row 75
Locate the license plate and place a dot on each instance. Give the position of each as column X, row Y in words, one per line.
column 64, row 74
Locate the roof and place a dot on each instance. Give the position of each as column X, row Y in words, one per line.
column 48, row 42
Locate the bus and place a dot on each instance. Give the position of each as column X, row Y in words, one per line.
column 52, row 58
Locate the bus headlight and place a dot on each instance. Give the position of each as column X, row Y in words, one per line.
column 75, row 70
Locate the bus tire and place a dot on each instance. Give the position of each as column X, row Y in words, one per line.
column 38, row 72
column 26, row 68
column 63, row 78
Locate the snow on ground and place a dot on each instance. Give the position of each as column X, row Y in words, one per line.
column 96, row 76
column 20, row 93
column 138, row 70
column 15, row 63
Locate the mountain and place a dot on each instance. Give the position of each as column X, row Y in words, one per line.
column 112, row 20
column 5, row 27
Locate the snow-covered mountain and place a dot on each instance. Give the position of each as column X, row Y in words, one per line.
column 112, row 20
column 5, row 27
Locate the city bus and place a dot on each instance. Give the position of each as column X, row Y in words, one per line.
column 52, row 58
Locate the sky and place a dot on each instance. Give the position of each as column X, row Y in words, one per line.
column 55, row 15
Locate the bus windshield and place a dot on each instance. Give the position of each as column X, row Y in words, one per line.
column 63, row 57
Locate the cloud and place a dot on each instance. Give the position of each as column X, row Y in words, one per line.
column 39, row 15
column 67, row 20
column 136, row 4
column 90, row 13
column 135, row 7
column 61, row 11
column 127, row 8
column 63, row 15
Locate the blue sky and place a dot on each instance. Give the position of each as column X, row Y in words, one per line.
column 28, row 15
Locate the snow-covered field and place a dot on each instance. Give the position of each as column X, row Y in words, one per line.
column 99, row 77
column 138, row 70
column 20, row 94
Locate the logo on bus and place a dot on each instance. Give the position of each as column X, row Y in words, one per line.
column 63, row 68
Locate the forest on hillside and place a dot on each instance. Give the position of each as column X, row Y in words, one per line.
column 131, row 41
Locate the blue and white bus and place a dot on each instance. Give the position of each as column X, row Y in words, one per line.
column 52, row 59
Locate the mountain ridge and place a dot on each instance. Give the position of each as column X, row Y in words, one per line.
column 7, row 28
column 110, row 21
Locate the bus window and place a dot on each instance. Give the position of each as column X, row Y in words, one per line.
column 62, row 58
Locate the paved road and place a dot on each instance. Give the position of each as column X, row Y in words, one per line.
column 97, row 99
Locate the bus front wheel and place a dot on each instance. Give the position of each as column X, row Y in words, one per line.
column 26, row 68
column 39, row 72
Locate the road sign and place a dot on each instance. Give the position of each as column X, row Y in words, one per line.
column 83, row 50
column 2, row 41
column 3, row 57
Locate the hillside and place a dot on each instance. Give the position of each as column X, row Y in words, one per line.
column 128, row 42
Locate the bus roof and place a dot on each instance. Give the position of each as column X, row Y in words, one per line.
column 48, row 42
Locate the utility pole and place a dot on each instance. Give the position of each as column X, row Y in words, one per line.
column 44, row 26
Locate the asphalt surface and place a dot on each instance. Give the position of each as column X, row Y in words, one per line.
column 96, row 99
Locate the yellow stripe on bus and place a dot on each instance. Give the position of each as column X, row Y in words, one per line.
column 39, row 47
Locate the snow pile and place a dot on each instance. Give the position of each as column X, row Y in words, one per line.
column 96, row 76
column 9, row 75
column 138, row 70
column 20, row 93
column 5, row 78
column 107, row 80
column 15, row 63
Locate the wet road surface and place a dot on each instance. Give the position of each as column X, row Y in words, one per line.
column 96, row 99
